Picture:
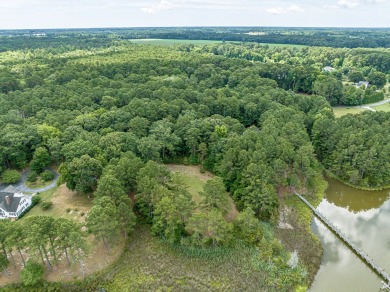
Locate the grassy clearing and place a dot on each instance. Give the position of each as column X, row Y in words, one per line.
column 152, row 265
column 195, row 181
column 342, row 111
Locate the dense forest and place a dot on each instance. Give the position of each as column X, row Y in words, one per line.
column 258, row 118
column 329, row 37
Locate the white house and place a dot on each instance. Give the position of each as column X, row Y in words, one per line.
column 328, row 69
column 12, row 204
column 362, row 83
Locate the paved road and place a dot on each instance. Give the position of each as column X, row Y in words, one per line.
column 21, row 185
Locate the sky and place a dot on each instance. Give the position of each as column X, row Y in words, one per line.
column 35, row 14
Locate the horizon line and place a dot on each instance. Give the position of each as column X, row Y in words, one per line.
column 200, row 26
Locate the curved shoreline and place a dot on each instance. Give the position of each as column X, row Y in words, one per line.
column 332, row 175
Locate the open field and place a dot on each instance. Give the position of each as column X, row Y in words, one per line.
column 342, row 111
column 169, row 42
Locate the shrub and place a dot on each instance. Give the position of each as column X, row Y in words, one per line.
column 32, row 176
column 46, row 205
column 36, row 200
column 3, row 262
column 32, row 274
column 47, row 175
column 11, row 176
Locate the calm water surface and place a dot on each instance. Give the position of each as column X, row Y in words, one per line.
column 365, row 218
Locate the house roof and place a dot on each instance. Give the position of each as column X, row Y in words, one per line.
column 14, row 202
column 10, row 189
column 361, row 83
column 328, row 68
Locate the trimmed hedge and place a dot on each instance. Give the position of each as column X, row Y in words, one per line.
column 374, row 97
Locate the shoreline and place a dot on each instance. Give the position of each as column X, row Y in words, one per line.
column 334, row 176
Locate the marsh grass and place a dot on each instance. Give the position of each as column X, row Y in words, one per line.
column 151, row 264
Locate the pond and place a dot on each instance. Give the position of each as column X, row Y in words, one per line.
column 364, row 216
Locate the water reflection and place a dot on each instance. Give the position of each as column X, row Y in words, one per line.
column 352, row 199
column 365, row 218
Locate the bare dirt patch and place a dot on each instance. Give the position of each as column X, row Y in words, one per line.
column 97, row 259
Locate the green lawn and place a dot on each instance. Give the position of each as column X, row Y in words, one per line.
column 65, row 204
column 383, row 107
column 39, row 183
column 342, row 111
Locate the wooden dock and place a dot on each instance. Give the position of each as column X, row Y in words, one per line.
column 370, row 262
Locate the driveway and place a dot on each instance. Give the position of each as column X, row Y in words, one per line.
column 21, row 185
column 371, row 104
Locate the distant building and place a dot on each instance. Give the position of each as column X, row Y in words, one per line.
column 361, row 83
column 328, row 69
column 13, row 203
column 41, row 34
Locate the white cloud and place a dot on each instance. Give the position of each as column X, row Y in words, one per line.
column 283, row 10
column 296, row 8
column 327, row 6
column 276, row 10
column 374, row 1
column 161, row 6
column 348, row 3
